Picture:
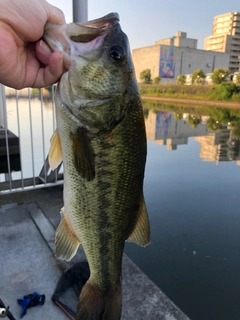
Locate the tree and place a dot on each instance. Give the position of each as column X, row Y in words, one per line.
column 178, row 116
column 238, row 80
column 220, row 75
column 214, row 125
column 198, row 77
column 228, row 89
column 181, row 79
column 156, row 80
column 145, row 76
column 235, row 125
column 194, row 120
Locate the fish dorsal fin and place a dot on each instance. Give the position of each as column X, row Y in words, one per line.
column 66, row 242
column 55, row 152
column 141, row 232
column 83, row 155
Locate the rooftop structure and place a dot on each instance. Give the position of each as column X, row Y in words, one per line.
column 180, row 40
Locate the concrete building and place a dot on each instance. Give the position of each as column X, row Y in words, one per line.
column 219, row 146
column 168, row 58
column 226, row 38
column 180, row 40
column 164, row 129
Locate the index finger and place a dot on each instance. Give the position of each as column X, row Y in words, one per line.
column 55, row 15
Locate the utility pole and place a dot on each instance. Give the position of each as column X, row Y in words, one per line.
column 80, row 11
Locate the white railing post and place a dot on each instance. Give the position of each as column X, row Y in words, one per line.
column 2, row 104
column 80, row 11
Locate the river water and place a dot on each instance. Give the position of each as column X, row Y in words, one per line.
column 192, row 192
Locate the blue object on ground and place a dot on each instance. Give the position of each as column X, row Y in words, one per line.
column 30, row 300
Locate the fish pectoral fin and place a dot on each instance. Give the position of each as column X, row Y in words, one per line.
column 141, row 233
column 66, row 242
column 55, row 152
column 83, row 155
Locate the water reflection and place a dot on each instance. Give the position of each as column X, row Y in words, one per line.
column 217, row 130
column 33, row 122
column 193, row 208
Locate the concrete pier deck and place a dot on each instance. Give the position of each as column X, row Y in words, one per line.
column 27, row 228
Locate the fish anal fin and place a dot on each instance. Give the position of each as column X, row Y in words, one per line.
column 55, row 152
column 83, row 155
column 141, row 233
column 66, row 242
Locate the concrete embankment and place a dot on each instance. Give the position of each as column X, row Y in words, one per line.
column 219, row 104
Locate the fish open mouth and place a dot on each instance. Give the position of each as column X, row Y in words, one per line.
column 101, row 22
column 88, row 31
column 76, row 39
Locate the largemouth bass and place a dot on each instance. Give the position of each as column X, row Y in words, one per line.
column 101, row 140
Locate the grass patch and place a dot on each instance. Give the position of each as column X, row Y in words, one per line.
column 225, row 91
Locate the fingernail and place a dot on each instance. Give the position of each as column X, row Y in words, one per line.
column 45, row 47
column 60, row 55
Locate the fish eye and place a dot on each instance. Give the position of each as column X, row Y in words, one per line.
column 117, row 53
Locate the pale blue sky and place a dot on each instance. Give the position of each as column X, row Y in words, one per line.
column 148, row 21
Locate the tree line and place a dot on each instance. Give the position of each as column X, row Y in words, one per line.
column 219, row 76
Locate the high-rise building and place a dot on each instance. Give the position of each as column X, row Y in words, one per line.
column 226, row 38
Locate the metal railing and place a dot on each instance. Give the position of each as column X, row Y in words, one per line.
column 25, row 165
column 27, row 122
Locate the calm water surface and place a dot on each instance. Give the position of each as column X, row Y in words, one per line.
column 192, row 191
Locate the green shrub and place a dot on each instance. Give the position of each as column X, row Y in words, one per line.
column 198, row 77
column 142, row 91
column 170, row 91
column 220, row 75
column 181, row 79
column 238, row 80
column 156, row 80
column 194, row 120
column 214, row 125
column 183, row 91
column 235, row 126
column 236, row 97
column 228, row 89
column 178, row 116
column 35, row 92
column 224, row 91
column 145, row 76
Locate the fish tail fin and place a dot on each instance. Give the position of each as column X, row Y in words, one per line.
column 95, row 304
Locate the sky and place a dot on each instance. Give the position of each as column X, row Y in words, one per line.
column 145, row 22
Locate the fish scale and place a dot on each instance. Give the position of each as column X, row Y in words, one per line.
column 101, row 196
column 101, row 140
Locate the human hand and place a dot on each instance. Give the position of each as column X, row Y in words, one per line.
column 25, row 60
